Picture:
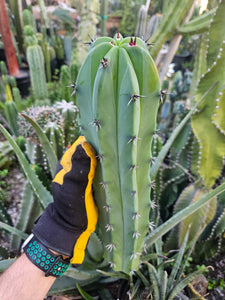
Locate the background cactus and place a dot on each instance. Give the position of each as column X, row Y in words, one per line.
column 69, row 112
column 152, row 25
column 141, row 21
column 4, row 215
column 35, row 60
column 197, row 221
column 192, row 158
column 176, row 11
column 87, row 28
column 52, row 123
column 9, row 107
column 28, row 19
column 65, row 78
column 181, row 85
column 207, row 118
column 118, row 100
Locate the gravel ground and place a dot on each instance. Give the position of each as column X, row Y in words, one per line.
column 218, row 273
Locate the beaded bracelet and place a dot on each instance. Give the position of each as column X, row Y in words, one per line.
column 50, row 263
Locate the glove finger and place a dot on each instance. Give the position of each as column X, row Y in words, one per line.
column 73, row 154
column 74, row 181
column 91, row 210
column 69, row 197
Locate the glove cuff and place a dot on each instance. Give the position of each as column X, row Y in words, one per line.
column 50, row 263
column 53, row 235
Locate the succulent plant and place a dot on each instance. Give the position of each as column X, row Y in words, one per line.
column 208, row 117
column 69, row 112
column 52, row 123
column 118, row 94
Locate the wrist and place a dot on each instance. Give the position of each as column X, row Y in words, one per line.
column 57, row 253
column 49, row 261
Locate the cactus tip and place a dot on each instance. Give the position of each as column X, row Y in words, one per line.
column 133, row 42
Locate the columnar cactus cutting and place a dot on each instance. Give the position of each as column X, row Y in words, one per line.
column 118, row 92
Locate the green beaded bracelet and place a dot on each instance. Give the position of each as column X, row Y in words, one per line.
column 50, row 263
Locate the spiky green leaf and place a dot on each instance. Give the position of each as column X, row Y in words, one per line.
column 40, row 191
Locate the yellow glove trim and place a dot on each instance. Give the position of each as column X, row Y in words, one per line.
column 91, row 208
column 66, row 161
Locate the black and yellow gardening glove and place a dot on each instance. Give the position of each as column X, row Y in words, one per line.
column 67, row 223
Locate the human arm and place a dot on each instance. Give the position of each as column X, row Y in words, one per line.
column 24, row 281
column 62, row 232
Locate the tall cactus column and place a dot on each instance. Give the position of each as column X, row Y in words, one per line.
column 118, row 93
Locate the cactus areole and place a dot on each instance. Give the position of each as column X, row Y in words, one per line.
column 118, row 92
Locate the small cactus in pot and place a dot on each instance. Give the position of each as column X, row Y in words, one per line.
column 118, row 92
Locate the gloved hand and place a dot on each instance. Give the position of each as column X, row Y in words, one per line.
column 67, row 223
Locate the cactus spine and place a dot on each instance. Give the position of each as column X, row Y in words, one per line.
column 118, row 101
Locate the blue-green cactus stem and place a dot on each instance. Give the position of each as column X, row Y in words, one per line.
column 85, row 84
column 118, row 96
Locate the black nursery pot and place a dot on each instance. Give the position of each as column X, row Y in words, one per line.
column 23, row 82
column 2, row 55
column 56, row 64
column 179, row 59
